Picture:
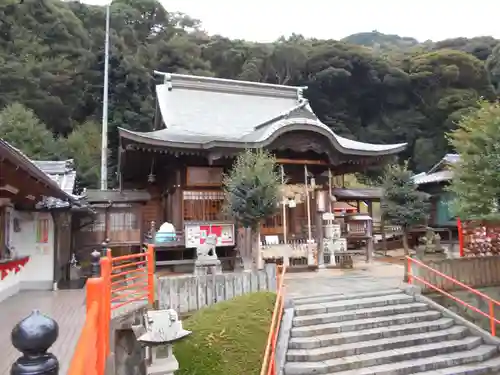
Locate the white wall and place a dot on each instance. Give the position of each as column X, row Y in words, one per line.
column 39, row 271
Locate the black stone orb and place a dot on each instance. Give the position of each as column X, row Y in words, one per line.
column 33, row 336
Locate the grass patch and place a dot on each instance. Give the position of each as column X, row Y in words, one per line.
column 228, row 338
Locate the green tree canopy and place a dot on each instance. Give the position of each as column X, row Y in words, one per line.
column 476, row 179
column 252, row 188
column 21, row 128
column 84, row 145
column 402, row 204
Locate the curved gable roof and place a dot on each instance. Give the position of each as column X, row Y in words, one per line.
column 204, row 113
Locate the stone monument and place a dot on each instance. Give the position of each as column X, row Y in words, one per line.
column 161, row 329
column 206, row 257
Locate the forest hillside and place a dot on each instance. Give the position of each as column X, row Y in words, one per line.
column 369, row 86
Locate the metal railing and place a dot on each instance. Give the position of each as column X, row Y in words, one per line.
column 123, row 280
column 269, row 361
column 490, row 301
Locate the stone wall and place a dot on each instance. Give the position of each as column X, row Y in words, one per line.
column 476, row 272
column 474, row 300
column 479, row 273
column 190, row 293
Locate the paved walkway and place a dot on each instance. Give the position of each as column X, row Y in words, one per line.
column 362, row 278
column 67, row 307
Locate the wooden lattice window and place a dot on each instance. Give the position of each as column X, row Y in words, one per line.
column 203, row 205
column 98, row 224
column 123, row 220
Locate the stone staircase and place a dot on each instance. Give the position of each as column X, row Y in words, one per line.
column 382, row 333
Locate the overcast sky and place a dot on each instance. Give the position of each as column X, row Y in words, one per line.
column 266, row 20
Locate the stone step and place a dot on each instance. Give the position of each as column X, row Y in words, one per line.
column 490, row 367
column 323, row 340
column 362, row 361
column 419, row 365
column 371, row 312
column 362, row 324
column 351, row 304
column 364, row 347
column 321, row 298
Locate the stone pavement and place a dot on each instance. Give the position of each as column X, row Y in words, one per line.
column 362, row 278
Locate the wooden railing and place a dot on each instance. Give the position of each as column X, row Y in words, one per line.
column 490, row 301
column 123, row 280
column 269, row 362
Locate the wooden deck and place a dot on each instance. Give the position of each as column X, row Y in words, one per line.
column 67, row 307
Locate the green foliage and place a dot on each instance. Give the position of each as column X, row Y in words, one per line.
column 402, row 204
column 84, row 145
column 372, row 87
column 228, row 338
column 252, row 188
column 21, row 128
column 476, row 181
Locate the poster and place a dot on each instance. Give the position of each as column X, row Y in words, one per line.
column 196, row 234
column 42, row 230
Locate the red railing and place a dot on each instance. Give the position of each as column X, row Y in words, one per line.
column 124, row 280
column 269, row 362
column 491, row 302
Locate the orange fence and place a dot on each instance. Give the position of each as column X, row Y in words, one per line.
column 491, row 302
column 269, row 362
column 123, row 280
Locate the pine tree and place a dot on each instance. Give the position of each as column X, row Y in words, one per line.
column 476, row 179
column 252, row 190
column 402, row 204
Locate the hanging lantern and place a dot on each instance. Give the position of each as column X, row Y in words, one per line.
column 292, row 203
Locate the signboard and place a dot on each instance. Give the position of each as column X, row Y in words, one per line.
column 196, row 234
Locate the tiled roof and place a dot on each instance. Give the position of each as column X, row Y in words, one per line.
column 202, row 112
column 428, row 178
column 62, row 172
column 21, row 160
column 358, row 193
column 116, row 196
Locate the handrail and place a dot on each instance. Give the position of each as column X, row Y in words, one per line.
column 131, row 278
column 269, row 361
column 93, row 348
column 90, row 352
column 491, row 302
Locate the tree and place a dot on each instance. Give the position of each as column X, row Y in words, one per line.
column 402, row 204
column 22, row 129
column 476, row 179
column 252, row 190
column 84, row 146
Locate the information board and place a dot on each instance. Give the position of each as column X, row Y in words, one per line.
column 197, row 233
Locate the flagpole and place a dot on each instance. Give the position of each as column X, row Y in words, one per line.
column 104, row 145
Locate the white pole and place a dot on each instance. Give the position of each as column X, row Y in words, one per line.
column 309, row 233
column 330, row 188
column 283, row 203
column 104, row 145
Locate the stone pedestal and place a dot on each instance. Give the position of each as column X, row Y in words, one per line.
column 165, row 365
column 207, row 267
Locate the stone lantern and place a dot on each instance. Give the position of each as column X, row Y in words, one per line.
column 161, row 329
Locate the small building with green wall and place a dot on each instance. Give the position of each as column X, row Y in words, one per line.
column 433, row 183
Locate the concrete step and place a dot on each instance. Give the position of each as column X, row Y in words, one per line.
column 371, row 346
column 433, row 364
column 361, row 324
column 351, row 304
column 321, row 298
column 390, row 357
column 396, row 330
column 371, row 312
column 490, row 367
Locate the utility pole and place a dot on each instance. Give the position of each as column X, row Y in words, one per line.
column 104, row 145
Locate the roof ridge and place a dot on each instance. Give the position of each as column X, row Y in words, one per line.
column 175, row 80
